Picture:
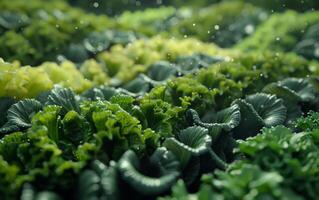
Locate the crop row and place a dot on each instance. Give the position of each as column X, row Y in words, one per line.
column 46, row 34
column 141, row 106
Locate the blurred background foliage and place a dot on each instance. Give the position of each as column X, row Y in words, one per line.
column 113, row 7
column 77, row 30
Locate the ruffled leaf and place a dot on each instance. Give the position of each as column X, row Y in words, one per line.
column 191, row 141
column 250, row 123
column 301, row 87
column 9, row 145
column 269, row 108
column 282, row 92
column 50, row 118
column 308, row 123
column 75, row 127
column 294, row 91
column 229, row 117
column 162, row 71
column 178, row 149
column 125, row 101
column 226, row 120
column 19, row 115
column 290, row 100
column 259, row 110
column 168, row 172
column 65, row 98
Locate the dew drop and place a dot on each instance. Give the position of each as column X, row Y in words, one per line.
column 95, row 4
column 249, row 29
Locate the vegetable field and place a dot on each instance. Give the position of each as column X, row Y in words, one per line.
column 165, row 99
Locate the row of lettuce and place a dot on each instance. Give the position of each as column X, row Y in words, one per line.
column 158, row 116
column 113, row 7
column 154, row 61
column 232, row 24
column 55, row 31
column 277, row 164
column 119, row 65
column 172, row 105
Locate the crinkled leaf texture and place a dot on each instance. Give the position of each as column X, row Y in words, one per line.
column 50, row 118
column 294, row 91
column 259, row 110
column 269, row 108
column 282, row 92
column 294, row 156
column 309, row 123
column 168, row 167
column 301, row 87
column 19, row 115
column 250, row 122
column 65, row 98
column 226, row 119
column 9, row 146
column 190, row 141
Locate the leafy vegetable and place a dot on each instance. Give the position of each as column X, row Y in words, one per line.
column 226, row 120
column 65, row 98
column 192, row 141
column 140, row 106
column 20, row 114
column 276, row 150
column 167, row 172
column 262, row 110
